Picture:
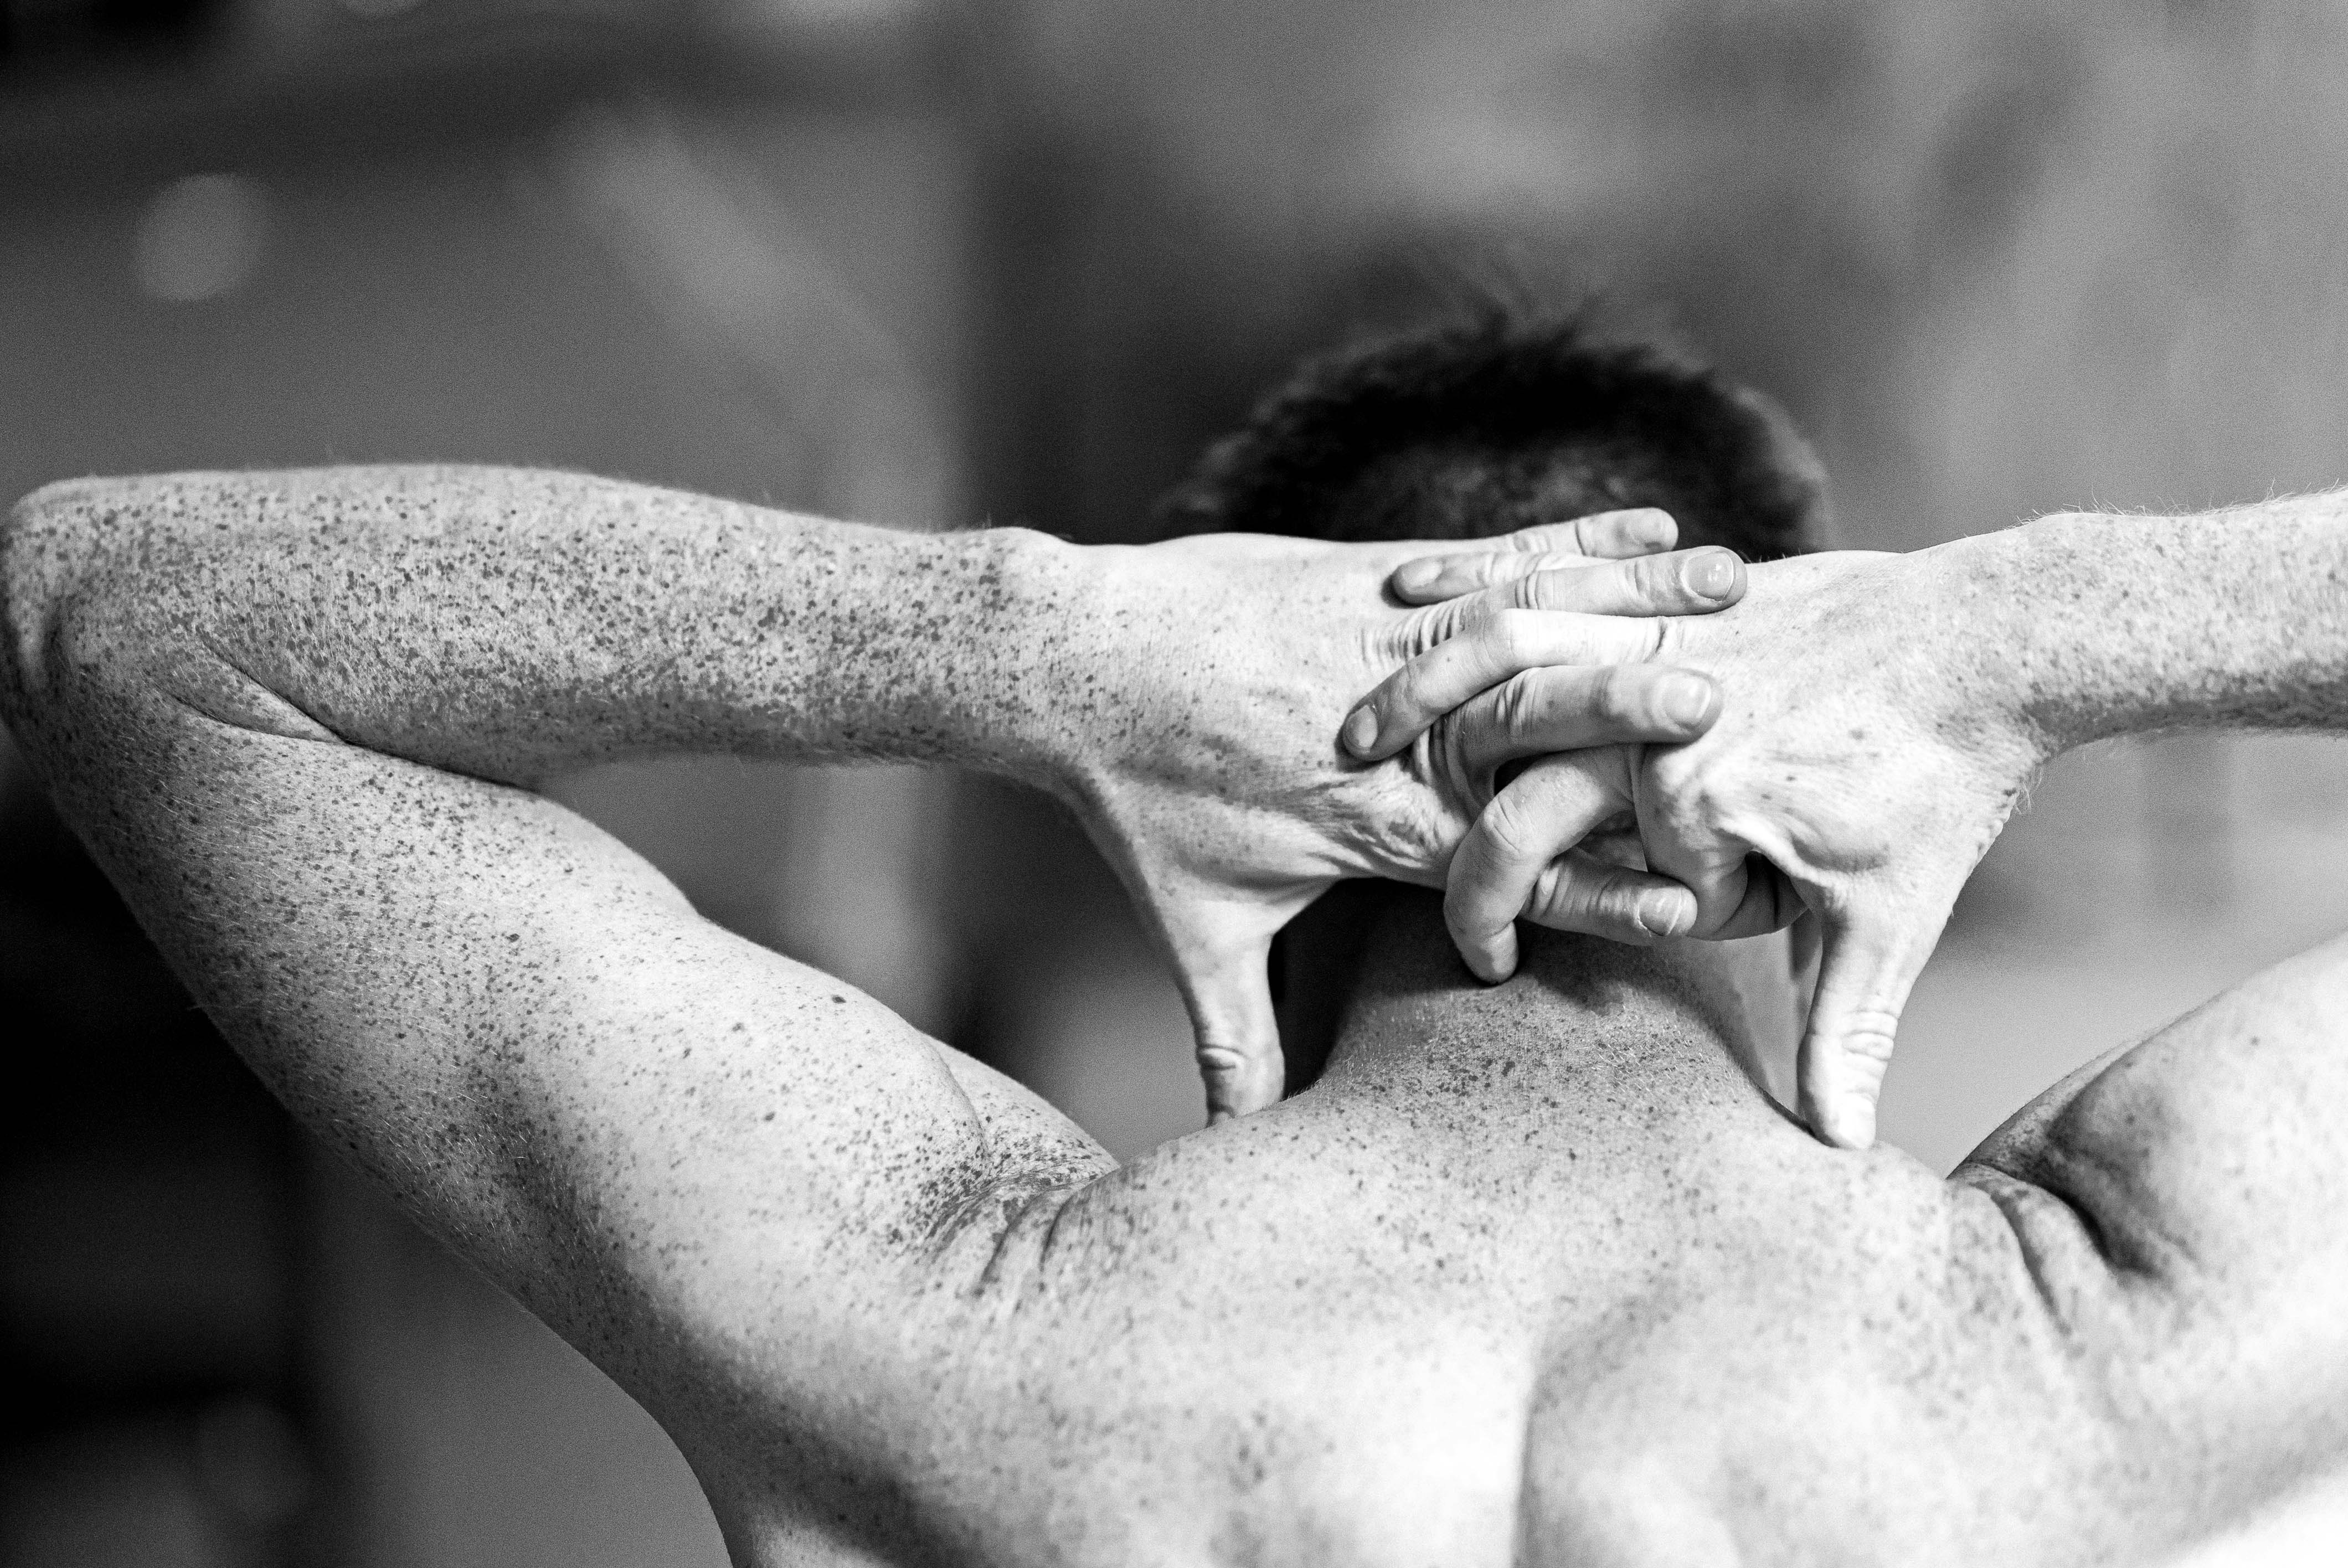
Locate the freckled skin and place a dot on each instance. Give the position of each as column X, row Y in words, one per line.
column 1533, row 1274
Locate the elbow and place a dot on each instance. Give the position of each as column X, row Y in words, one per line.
column 108, row 600
column 59, row 609
column 36, row 565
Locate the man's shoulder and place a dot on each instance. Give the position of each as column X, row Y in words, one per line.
column 2177, row 1206
column 1874, row 1376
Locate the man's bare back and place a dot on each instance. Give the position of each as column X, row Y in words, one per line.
column 1533, row 1272
column 1537, row 1274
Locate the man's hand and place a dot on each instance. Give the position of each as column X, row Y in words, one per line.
column 1551, row 844
column 1206, row 681
column 1867, row 757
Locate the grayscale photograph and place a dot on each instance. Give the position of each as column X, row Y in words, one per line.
column 1102, row 783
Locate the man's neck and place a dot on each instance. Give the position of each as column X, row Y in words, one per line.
column 1579, row 1009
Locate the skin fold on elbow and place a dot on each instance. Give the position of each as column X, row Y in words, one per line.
column 96, row 610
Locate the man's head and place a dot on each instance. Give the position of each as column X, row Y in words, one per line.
column 1484, row 426
column 1473, row 429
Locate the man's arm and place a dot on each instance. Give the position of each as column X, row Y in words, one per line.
column 291, row 713
column 1988, row 656
column 279, row 710
column 500, row 623
column 2178, row 1204
column 1885, row 712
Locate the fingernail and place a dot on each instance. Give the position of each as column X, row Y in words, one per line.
column 1361, row 730
column 1660, row 915
column 1413, row 576
column 1850, row 1124
column 1687, row 702
column 1709, row 574
column 1496, row 960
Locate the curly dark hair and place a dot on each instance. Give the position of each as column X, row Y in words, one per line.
column 1487, row 425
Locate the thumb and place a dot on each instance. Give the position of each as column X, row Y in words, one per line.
column 1873, row 955
column 1226, row 984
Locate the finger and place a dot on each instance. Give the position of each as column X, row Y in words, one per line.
column 1603, row 535
column 1871, row 959
column 1618, row 535
column 1580, row 892
column 1227, row 989
column 1767, row 901
column 1491, row 645
column 1685, row 582
column 1566, row 708
column 1500, row 865
column 1682, row 829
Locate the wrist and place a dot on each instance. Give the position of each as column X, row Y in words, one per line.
column 1987, row 604
column 2064, row 599
column 1004, row 704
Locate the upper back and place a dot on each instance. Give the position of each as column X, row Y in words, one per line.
column 1533, row 1274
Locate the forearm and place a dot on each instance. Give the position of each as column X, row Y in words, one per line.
column 2095, row 626
column 507, row 623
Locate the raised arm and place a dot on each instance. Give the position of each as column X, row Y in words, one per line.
column 287, row 713
column 1899, row 705
column 292, row 714
column 1884, row 715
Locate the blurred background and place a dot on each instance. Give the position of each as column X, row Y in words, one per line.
column 930, row 262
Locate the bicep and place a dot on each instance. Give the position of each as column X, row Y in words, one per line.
column 2189, row 1197
column 665, row 1141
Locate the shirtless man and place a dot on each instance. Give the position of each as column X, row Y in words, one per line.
column 1534, row 1273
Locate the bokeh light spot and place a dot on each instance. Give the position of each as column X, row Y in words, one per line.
column 201, row 238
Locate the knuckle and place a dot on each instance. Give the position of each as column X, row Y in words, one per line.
column 1679, row 775
column 1849, row 1071
column 1650, row 578
column 1512, row 636
column 1617, row 695
column 1435, row 624
column 1221, row 1063
column 1580, row 896
column 1565, row 587
column 1870, row 1035
column 1401, row 700
column 1620, row 901
column 1551, row 891
column 1517, row 705
column 1602, row 898
column 1510, row 827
